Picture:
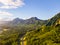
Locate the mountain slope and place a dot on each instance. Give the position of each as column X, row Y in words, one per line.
column 54, row 20
column 32, row 34
column 46, row 35
column 32, row 20
column 17, row 21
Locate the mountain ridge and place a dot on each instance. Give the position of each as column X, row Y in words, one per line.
column 33, row 20
column 53, row 20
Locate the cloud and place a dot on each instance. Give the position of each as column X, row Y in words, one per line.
column 5, row 19
column 3, row 13
column 6, row 16
column 9, row 4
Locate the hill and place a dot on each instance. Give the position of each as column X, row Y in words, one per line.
column 48, row 34
column 32, row 31
column 54, row 20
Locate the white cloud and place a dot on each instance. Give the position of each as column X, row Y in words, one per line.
column 5, row 16
column 5, row 19
column 3, row 13
column 8, row 4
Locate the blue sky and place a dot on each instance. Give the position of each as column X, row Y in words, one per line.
column 43, row 9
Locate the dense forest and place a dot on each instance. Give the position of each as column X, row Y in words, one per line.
column 32, row 31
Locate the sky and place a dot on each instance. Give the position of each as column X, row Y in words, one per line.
column 43, row 9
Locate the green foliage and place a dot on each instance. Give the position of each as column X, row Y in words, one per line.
column 47, row 35
column 36, row 32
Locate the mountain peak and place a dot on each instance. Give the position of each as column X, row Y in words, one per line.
column 34, row 18
column 17, row 19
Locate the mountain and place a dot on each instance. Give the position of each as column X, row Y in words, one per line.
column 54, row 20
column 17, row 21
column 34, row 34
column 32, row 20
column 48, row 34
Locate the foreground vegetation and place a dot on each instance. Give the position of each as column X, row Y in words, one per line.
column 47, row 33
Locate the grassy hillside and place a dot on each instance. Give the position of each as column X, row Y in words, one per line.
column 37, row 32
column 47, row 35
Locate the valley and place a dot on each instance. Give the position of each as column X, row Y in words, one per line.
column 32, row 31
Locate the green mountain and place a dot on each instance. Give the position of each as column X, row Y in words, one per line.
column 54, row 20
column 48, row 34
column 32, row 31
column 32, row 20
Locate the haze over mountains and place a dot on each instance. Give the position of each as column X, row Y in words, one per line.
column 16, row 21
column 32, row 20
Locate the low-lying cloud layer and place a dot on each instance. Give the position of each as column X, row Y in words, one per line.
column 5, row 16
column 3, row 13
column 8, row 4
